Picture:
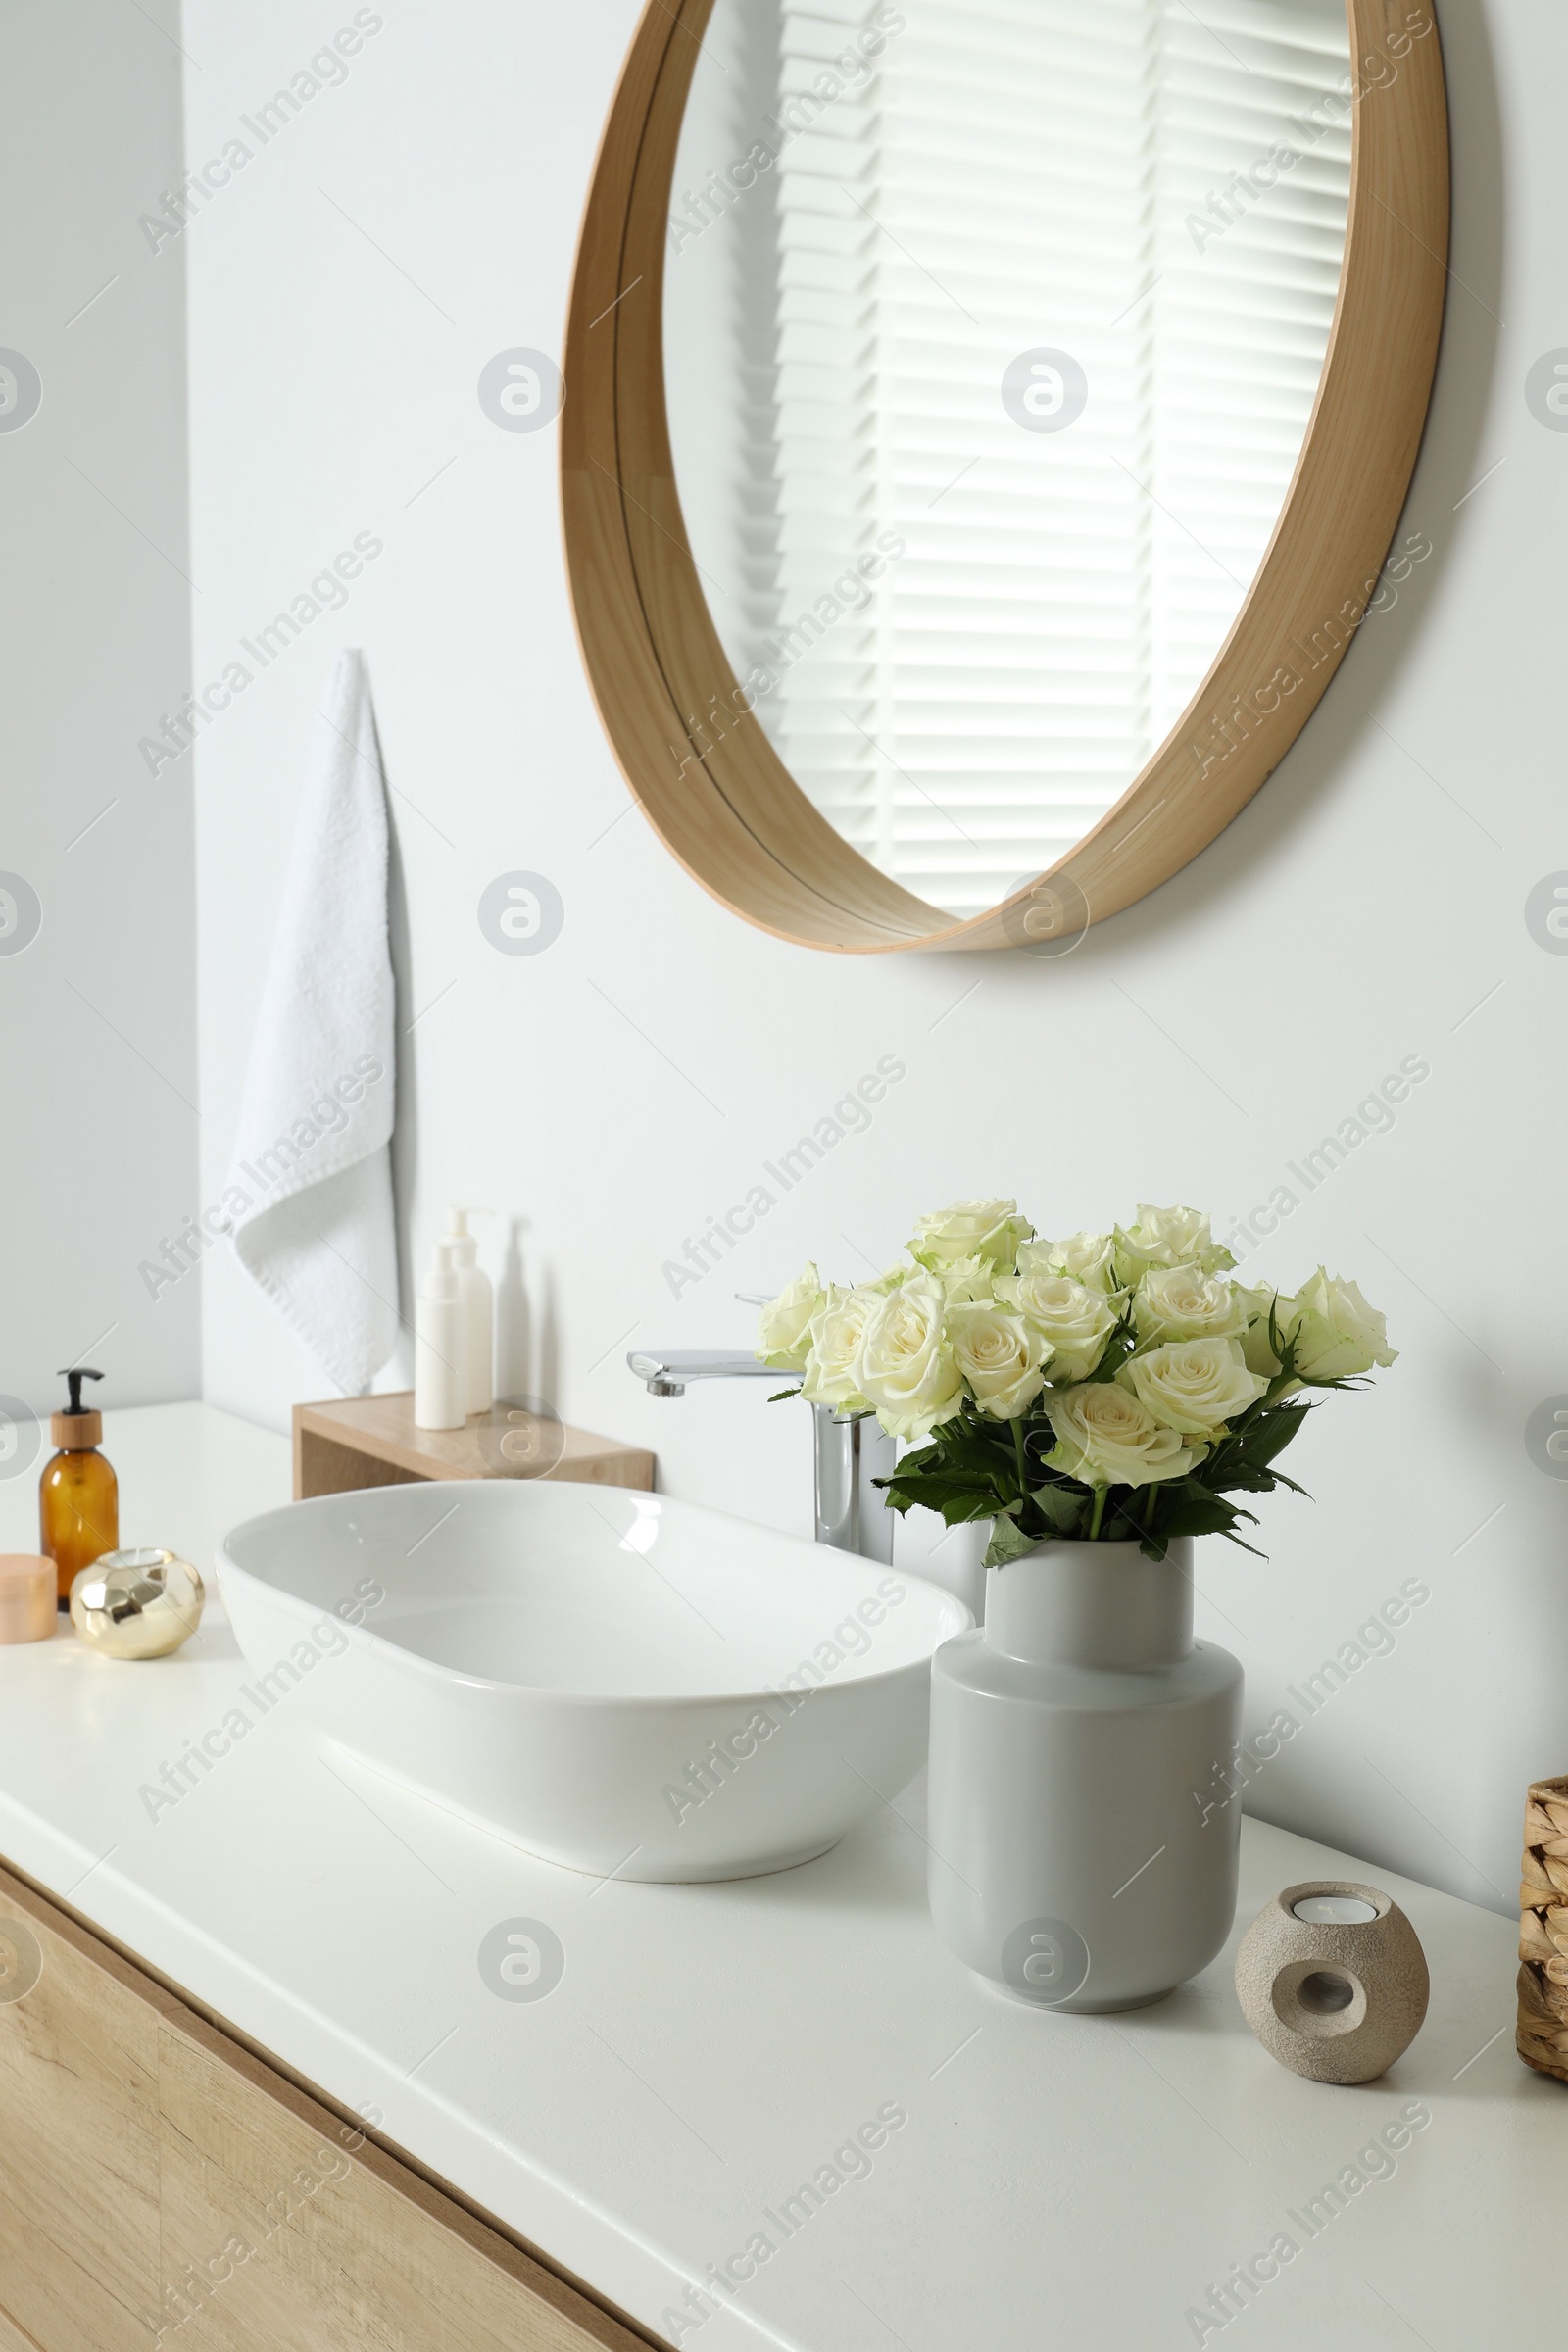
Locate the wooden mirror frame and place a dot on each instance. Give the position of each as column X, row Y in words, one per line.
column 710, row 782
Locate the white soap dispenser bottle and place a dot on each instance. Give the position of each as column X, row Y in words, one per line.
column 478, row 1311
column 439, row 1367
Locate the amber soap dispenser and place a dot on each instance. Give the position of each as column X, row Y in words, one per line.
column 78, row 1493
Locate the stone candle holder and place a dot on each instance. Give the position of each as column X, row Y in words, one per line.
column 1339, row 1994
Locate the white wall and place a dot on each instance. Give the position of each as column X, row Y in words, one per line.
column 610, row 1095
column 98, row 1086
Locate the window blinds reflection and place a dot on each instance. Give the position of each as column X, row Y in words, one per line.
column 1155, row 201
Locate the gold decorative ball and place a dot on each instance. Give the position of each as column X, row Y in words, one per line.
column 137, row 1604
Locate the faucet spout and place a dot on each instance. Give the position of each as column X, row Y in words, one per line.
column 665, row 1371
column 851, row 1451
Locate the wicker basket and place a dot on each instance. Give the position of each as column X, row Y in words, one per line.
column 1543, row 2039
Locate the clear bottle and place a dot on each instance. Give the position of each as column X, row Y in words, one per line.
column 478, row 1311
column 439, row 1369
column 78, row 1493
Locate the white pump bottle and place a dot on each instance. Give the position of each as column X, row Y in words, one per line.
column 439, row 1367
column 478, row 1310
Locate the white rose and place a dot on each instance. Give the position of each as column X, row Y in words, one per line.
column 1196, row 1386
column 968, row 1281
column 1257, row 1305
column 1074, row 1318
column 1167, row 1237
column 837, row 1333
column 988, row 1229
column 1000, row 1357
column 1182, row 1302
column 1339, row 1334
column 784, row 1327
column 1089, row 1257
column 906, row 1369
column 1107, row 1438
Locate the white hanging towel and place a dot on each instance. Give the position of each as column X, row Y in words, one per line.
column 312, row 1159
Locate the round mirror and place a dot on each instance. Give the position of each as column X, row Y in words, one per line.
column 988, row 505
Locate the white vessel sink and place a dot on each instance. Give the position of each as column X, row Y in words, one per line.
column 617, row 1682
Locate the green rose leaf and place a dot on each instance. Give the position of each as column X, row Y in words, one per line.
column 1065, row 1508
column 1007, row 1542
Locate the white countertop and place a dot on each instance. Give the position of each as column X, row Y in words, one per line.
column 1060, row 2183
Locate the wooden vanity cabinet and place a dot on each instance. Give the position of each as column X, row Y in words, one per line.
column 162, row 2184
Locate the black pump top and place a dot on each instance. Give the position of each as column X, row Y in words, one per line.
column 74, row 1378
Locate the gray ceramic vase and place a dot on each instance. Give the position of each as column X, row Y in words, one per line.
column 1073, row 1860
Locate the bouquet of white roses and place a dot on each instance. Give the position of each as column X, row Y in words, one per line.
column 1113, row 1387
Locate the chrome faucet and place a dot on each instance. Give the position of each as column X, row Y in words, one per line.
column 852, row 1449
